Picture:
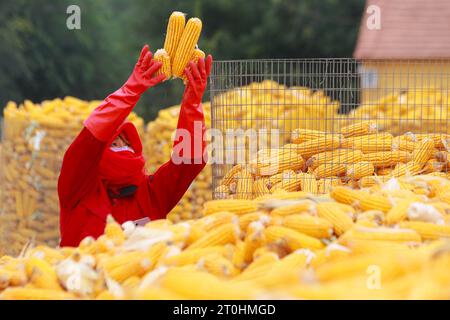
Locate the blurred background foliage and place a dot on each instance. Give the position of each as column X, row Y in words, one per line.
column 41, row 59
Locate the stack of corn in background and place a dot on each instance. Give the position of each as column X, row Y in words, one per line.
column 35, row 138
column 424, row 109
column 270, row 105
column 316, row 161
column 389, row 241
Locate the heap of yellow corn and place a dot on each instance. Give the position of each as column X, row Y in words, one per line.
column 270, row 105
column 35, row 139
column 316, row 161
column 158, row 144
column 422, row 109
column 389, row 241
column 180, row 46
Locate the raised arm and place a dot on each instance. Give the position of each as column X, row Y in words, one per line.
column 79, row 172
column 170, row 181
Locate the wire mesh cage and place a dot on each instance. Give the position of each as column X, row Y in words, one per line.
column 311, row 124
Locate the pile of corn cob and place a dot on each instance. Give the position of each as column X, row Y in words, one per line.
column 180, row 46
column 315, row 161
column 388, row 241
column 424, row 110
column 158, row 144
column 35, row 139
column 270, row 105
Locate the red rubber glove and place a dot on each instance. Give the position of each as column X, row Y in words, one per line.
column 142, row 76
column 191, row 113
column 112, row 112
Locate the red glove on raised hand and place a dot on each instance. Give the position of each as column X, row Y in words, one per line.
column 191, row 113
column 142, row 76
column 197, row 75
column 112, row 112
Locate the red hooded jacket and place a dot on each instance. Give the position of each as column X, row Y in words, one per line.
column 83, row 196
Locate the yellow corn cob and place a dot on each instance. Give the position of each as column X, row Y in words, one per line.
column 398, row 212
column 238, row 258
column 433, row 165
column 373, row 217
column 217, row 265
column 293, row 239
column 253, row 240
column 387, row 158
column 278, row 161
column 285, row 270
column 308, row 183
column 332, row 252
column 215, row 220
column 325, row 185
column 248, row 218
column 364, row 246
column 260, row 187
column 198, row 54
column 114, row 231
column 375, row 202
column 337, row 165
column 309, row 225
column 380, row 234
column 34, row 294
column 244, row 185
column 358, row 266
column 302, row 135
column 227, row 233
column 427, row 230
column 50, row 255
column 359, row 129
column 340, row 220
column 139, row 265
column 229, row 176
column 274, row 179
column 327, row 157
column 406, row 169
column 192, row 256
column 423, row 152
column 221, row 192
column 162, row 56
column 202, row 285
column 369, row 143
column 41, row 274
column 105, row 295
column 175, row 29
column 236, row 206
column 359, row 170
column 402, row 143
column 311, row 147
column 438, row 139
column 347, row 195
column 12, row 277
column 303, row 206
column 289, row 183
column 257, row 269
column 186, row 46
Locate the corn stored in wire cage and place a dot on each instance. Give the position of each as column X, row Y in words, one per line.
column 311, row 124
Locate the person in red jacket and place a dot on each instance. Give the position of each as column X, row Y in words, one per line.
column 103, row 169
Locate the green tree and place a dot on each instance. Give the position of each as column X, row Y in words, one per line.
column 40, row 58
